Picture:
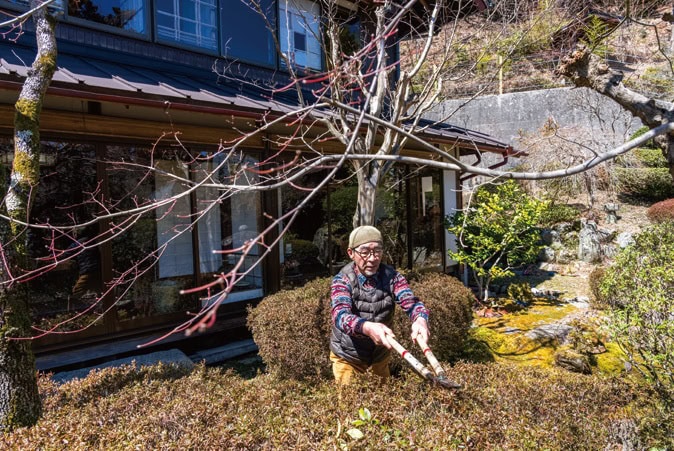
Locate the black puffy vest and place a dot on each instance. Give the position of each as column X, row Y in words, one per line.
column 376, row 304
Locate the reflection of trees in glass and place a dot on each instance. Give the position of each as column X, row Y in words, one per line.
column 86, row 9
column 392, row 216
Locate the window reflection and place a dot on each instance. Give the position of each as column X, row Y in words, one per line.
column 229, row 220
column 67, row 194
column 123, row 14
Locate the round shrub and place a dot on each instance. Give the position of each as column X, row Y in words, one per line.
column 292, row 328
column 450, row 304
column 292, row 331
column 645, row 183
column 661, row 211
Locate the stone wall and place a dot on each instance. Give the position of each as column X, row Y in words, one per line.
column 507, row 116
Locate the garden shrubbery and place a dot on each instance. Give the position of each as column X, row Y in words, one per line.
column 501, row 407
column 450, row 304
column 661, row 211
column 594, row 281
column 645, row 183
column 639, row 286
column 292, row 328
column 557, row 213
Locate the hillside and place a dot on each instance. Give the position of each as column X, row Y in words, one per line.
column 479, row 55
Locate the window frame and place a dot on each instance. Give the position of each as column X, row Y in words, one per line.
column 146, row 35
column 217, row 51
column 309, row 36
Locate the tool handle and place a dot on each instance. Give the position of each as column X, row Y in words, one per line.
column 409, row 358
column 437, row 369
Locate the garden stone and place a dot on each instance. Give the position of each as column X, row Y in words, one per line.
column 573, row 361
column 546, row 254
column 563, row 227
column 611, row 213
column 625, row 239
column 556, row 331
column 550, row 237
column 589, row 241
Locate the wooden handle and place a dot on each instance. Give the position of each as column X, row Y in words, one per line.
column 437, row 368
column 409, row 358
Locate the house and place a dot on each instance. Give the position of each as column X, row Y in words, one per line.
column 163, row 84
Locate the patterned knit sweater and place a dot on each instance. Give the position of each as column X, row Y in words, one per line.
column 342, row 304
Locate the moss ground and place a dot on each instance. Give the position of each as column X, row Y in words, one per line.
column 504, row 338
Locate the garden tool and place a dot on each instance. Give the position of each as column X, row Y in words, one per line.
column 419, row 367
column 440, row 375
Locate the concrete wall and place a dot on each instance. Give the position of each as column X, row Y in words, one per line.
column 600, row 121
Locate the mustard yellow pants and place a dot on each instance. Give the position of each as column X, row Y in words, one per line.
column 344, row 370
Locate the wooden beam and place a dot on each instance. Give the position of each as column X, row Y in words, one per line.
column 67, row 123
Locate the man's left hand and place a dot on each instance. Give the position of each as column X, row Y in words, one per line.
column 420, row 329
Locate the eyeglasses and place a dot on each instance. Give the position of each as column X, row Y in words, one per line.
column 367, row 253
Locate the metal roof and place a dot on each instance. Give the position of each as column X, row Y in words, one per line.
column 206, row 88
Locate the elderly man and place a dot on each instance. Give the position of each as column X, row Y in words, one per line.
column 363, row 298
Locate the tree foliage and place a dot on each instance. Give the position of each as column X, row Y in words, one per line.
column 497, row 232
column 639, row 287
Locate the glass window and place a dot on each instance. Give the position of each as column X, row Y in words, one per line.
column 228, row 220
column 310, row 247
column 189, row 22
column 247, row 33
column 55, row 6
column 152, row 257
column 299, row 22
column 68, row 193
column 123, row 14
column 427, row 220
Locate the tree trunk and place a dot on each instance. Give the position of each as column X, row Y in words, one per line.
column 367, row 196
column 19, row 398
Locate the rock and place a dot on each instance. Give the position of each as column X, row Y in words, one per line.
column 546, row 254
column 589, row 239
column 563, row 227
column 555, row 331
column 625, row 239
column 573, row 361
column 550, row 237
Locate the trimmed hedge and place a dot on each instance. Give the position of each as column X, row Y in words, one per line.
column 450, row 304
column 661, row 211
column 292, row 331
column 645, row 183
column 292, row 328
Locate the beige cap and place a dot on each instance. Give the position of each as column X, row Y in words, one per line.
column 364, row 234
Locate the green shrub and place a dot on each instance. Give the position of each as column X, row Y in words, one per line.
column 304, row 250
column 292, row 328
column 639, row 287
column 520, row 292
column 450, row 304
column 496, row 233
column 645, row 183
column 557, row 213
column 650, row 157
column 661, row 212
column 594, row 281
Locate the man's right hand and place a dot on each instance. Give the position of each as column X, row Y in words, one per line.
column 378, row 332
